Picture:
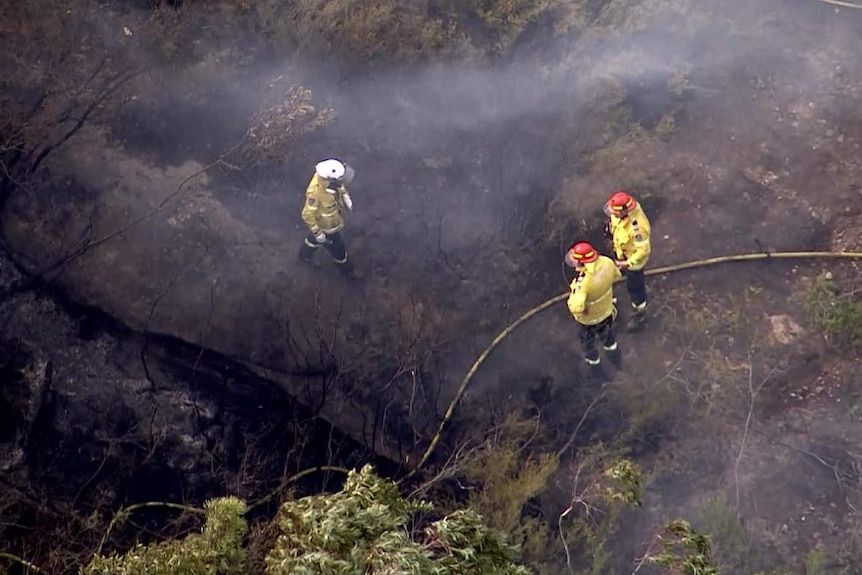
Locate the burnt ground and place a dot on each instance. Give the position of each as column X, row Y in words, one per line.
column 738, row 131
column 95, row 418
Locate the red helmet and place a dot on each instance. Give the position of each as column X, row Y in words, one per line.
column 581, row 253
column 621, row 203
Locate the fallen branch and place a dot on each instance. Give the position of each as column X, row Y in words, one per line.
column 21, row 561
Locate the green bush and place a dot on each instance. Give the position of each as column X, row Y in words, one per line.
column 366, row 528
column 218, row 550
column 836, row 314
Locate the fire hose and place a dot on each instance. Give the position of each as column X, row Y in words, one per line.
column 842, row 3
column 563, row 296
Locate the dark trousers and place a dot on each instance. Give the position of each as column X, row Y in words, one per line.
column 604, row 331
column 636, row 286
column 334, row 244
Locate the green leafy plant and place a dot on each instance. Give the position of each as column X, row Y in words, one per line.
column 367, row 528
column 217, row 550
column 626, row 483
column 836, row 314
column 682, row 551
column 508, row 476
column 816, row 562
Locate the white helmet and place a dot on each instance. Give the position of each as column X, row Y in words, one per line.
column 330, row 169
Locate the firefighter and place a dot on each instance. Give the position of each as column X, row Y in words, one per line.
column 629, row 230
column 326, row 198
column 591, row 300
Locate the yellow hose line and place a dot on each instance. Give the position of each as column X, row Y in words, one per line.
column 563, row 296
column 842, row 4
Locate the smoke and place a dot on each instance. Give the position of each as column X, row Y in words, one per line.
column 470, row 176
column 462, row 155
column 455, row 157
column 467, row 158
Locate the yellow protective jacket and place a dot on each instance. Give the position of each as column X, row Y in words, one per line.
column 591, row 299
column 631, row 238
column 322, row 209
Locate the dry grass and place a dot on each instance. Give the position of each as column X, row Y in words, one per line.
column 361, row 30
column 399, row 31
column 508, row 19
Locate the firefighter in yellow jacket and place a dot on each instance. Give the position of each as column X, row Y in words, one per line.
column 629, row 229
column 591, row 300
column 326, row 198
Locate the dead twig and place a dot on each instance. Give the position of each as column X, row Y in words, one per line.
column 752, row 393
column 587, row 411
column 293, row 478
column 23, row 562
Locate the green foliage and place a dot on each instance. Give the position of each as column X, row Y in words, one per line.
column 365, row 529
column 466, row 546
column 731, row 546
column 510, row 477
column 511, row 473
column 217, row 550
column 683, row 551
column 626, row 483
column 837, row 315
column 616, row 485
column 816, row 562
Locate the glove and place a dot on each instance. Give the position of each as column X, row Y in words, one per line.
column 348, row 203
column 320, row 237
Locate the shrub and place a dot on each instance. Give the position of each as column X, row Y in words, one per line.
column 835, row 314
column 218, row 550
column 365, row 528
